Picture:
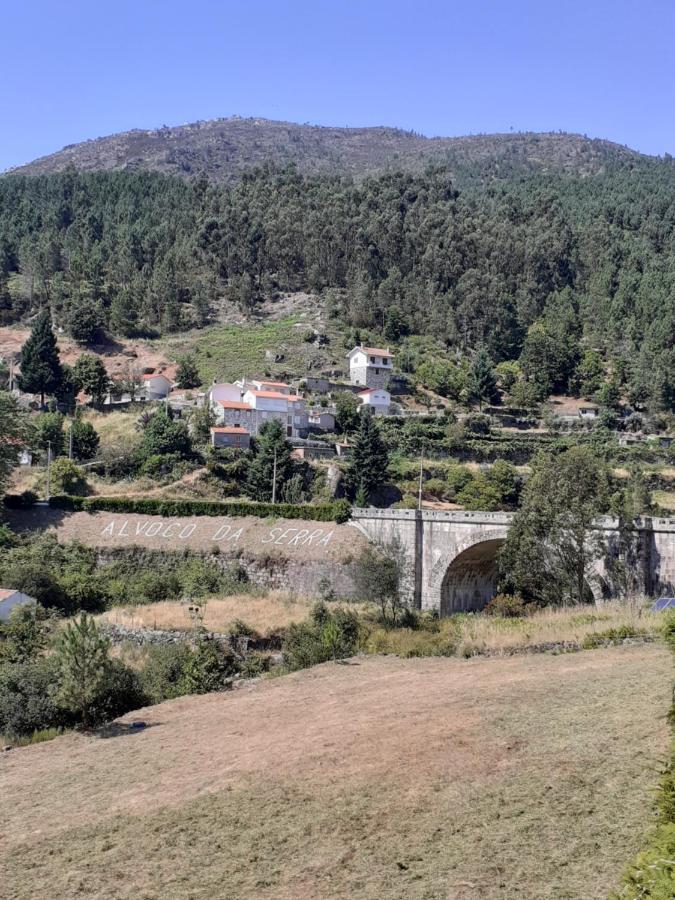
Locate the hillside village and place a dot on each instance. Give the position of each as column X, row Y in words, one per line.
column 337, row 464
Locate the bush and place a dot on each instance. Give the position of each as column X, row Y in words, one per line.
column 27, row 701
column 122, row 692
column 339, row 511
column 508, row 606
column 24, row 500
column 611, row 636
column 163, row 671
column 67, row 478
column 329, row 634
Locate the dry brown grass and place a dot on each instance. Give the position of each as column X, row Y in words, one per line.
column 469, row 634
column 265, row 614
column 526, row 777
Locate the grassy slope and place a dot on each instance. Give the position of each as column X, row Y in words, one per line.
column 225, row 352
column 386, row 778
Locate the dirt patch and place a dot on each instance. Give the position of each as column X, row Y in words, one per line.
column 381, row 778
column 119, row 356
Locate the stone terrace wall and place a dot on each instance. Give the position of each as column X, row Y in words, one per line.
column 278, row 553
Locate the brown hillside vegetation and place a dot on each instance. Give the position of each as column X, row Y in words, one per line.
column 224, row 148
column 382, row 778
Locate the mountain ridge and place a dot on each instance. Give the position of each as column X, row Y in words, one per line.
column 223, row 149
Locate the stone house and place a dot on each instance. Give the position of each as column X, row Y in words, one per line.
column 230, row 436
column 234, row 406
column 370, row 366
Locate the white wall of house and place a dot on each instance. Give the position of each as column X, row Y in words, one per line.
column 156, row 387
column 377, row 400
column 11, row 599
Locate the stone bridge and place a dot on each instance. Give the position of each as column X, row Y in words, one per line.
column 452, row 556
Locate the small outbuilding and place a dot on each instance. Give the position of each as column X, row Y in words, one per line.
column 9, row 599
column 155, row 386
column 230, row 436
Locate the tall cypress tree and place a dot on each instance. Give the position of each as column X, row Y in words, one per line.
column 40, row 367
column 482, row 381
column 369, row 461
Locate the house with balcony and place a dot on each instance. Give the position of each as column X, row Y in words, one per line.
column 370, row 367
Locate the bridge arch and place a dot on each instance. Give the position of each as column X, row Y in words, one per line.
column 470, row 579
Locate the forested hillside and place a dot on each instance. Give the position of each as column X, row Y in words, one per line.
column 542, row 265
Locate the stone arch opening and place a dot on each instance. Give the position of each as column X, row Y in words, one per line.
column 470, row 581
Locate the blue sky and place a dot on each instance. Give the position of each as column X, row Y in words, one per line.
column 75, row 70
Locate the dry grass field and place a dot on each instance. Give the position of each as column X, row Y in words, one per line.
column 266, row 614
column 424, row 779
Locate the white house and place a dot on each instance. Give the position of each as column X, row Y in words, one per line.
column 9, row 599
column 376, row 399
column 370, row 366
column 225, row 391
column 155, row 386
column 589, row 411
column 289, row 409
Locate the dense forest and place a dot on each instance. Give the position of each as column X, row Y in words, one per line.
column 537, row 265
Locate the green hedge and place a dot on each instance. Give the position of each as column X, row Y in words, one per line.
column 339, row 511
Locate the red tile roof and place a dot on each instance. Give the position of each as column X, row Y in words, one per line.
column 232, row 430
column 374, row 351
column 232, row 404
column 276, row 395
column 271, row 383
column 4, row 593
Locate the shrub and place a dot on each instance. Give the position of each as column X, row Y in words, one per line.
column 27, row 701
column 611, row 636
column 67, row 478
column 339, row 511
column 255, row 665
column 328, row 634
column 24, row 500
column 209, row 667
column 507, row 606
column 122, row 691
column 163, row 671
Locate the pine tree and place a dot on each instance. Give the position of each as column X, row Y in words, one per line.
column 369, row 461
column 270, row 440
column 84, row 660
column 40, row 366
column 482, row 382
column 187, row 373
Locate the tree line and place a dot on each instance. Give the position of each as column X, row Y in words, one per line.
column 534, row 267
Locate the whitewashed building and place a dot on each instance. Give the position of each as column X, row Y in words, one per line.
column 376, row 399
column 370, row 366
column 155, row 386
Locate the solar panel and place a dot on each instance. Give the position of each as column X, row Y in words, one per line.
column 664, row 603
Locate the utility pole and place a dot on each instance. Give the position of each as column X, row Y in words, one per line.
column 274, row 478
column 419, row 492
column 49, row 463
